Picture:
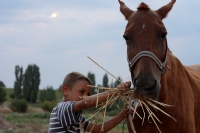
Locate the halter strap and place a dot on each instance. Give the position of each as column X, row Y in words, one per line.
column 149, row 54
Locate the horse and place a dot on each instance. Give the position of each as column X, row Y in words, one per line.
column 159, row 75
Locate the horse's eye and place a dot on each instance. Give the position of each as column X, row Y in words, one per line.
column 128, row 42
column 125, row 37
column 164, row 34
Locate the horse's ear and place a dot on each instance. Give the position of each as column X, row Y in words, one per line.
column 125, row 10
column 163, row 11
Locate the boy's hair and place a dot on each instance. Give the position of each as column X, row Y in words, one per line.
column 73, row 77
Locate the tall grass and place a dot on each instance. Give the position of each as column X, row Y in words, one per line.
column 28, row 122
column 17, row 118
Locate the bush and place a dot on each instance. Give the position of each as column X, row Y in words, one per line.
column 12, row 95
column 47, row 105
column 2, row 84
column 19, row 105
column 2, row 95
column 48, row 94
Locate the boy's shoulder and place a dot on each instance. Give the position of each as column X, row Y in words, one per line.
column 66, row 103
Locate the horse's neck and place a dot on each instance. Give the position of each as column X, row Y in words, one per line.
column 171, row 80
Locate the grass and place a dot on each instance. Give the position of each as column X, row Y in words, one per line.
column 8, row 92
column 28, row 122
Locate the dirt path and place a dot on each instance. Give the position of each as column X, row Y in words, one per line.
column 6, row 125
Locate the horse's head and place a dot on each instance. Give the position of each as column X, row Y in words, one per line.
column 145, row 36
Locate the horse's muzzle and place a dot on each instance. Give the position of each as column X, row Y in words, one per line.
column 146, row 88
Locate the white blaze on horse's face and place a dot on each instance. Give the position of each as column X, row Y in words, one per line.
column 143, row 26
column 145, row 35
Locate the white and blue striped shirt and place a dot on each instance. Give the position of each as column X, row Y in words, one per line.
column 63, row 119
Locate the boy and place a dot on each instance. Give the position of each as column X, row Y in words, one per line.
column 66, row 117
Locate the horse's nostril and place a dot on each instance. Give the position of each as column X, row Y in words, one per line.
column 135, row 81
column 145, row 84
column 138, row 82
column 150, row 85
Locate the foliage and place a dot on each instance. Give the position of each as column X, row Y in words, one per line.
column 117, row 82
column 48, row 94
column 91, row 76
column 48, row 105
column 2, row 84
column 60, row 88
column 116, row 107
column 2, row 95
column 19, row 105
column 18, row 82
column 105, row 80
column 31, row 83
column 12, row 95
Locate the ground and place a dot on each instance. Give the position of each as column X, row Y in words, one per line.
column 4, row 125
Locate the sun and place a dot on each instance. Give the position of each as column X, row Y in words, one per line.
column 53, row 15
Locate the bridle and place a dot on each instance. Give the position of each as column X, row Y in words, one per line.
column 161, row 65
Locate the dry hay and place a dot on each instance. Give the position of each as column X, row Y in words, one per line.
column 127, row 97
column 133, row 104
column 31, row 109
column 5, row 110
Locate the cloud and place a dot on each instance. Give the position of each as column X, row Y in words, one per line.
column 186, row 48
column 91, row 28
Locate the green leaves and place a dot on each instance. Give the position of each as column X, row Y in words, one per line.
column 31, row 83
column 48, row 94
column 19, row 81
column 91, row 76
column 2, row 95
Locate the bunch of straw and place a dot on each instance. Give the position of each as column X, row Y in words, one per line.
column 133, row 104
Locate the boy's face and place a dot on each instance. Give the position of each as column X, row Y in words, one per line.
column 77, row 92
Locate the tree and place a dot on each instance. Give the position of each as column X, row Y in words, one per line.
column 31, row 83
column 60, row 88
column 91, row 76
column 48, row 94
column 105, row 80
column 42, row 95
column 19, row 81
column 2, row 95
column 2, row 84
column 117, row 82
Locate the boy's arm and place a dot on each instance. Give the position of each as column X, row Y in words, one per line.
column 91, row 101
column 110, row 124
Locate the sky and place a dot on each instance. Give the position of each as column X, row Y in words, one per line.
column 58, row 35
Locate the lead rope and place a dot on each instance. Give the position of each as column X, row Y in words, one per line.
column 133, row 103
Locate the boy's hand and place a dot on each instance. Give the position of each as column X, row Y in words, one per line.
column 124, row 86
column 126, row 111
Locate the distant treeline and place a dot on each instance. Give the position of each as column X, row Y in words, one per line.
column 26, row 87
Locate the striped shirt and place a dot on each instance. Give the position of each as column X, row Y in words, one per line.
column 63, row 119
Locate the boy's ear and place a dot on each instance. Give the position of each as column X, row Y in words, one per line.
column 65, row 90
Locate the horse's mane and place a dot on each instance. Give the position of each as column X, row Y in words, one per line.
column 143, row 6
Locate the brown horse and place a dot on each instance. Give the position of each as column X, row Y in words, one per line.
column 158, row 74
